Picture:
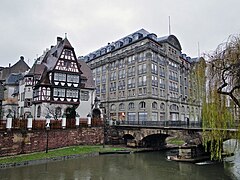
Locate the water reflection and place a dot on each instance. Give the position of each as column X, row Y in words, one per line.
column 147, row 166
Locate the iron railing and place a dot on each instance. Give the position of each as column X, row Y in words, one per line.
column 190, row 124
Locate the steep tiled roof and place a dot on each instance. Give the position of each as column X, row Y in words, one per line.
column 19, row 67
column 37, row 69
column 1, row 91
column 87, row 74
column 13, row 78
column 51, row 57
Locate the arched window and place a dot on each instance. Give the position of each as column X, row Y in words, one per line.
column 131, row 106
column 58, row 112
column 121, row 106
column 113, row 107
column 192, row 110
column 174, row 107
column 38, row 111
column 149, row 55
column 154, row 105
column 183, row 109
column 142, row 105
column 196, row 110
column 162, row 107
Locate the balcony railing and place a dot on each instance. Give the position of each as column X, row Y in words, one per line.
column 191, row 124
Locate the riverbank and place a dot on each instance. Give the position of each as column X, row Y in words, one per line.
column 71, row 153
column 56, row 155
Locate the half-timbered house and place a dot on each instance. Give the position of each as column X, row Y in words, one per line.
column 56, row 79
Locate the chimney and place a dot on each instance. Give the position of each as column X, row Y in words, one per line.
column 21, row 58
column 59, row 39
column 9, row 64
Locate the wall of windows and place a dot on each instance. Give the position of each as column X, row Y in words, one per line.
column 59, row 77
column 73, row 78
column 72, row 93
column 59, row 92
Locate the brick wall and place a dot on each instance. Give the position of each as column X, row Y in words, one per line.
column 17, row 142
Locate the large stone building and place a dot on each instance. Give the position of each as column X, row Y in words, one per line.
column 144, row 78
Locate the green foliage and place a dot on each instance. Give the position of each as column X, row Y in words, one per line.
column 175, row 141
column 216, row 115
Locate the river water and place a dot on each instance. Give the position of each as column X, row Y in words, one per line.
column 139, row 166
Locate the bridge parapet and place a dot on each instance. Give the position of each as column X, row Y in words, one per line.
column 190, row 124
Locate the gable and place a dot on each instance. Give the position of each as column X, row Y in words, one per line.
column 174, row 41
column 67, row 61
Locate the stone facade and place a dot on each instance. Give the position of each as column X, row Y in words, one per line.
column 143, row 78
column 17, row 142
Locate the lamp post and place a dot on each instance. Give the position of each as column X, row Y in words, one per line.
column 29, row 122
column 104, row 124
column 47, row 126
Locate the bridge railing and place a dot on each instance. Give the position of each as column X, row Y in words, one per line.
column 192, row 124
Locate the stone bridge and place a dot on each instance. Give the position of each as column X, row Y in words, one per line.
column 141, row 136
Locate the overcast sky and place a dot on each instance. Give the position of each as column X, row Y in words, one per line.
column 30, row 26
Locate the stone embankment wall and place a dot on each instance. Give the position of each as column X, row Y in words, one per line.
column 17, row 142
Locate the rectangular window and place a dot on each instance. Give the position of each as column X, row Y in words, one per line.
column 162, row 116
column 59, row 77
column 84, row 95
column 72, row 93
column 162, row 83
column 154, row 81
column 131, row 116
column 142, row 116
column 73, row 78
column 154, row 116
column 154, row 69
column 59, row 92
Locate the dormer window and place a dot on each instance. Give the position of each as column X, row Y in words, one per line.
column 103, row 51
column 127, row 40
column 91, row 56
column 98, row 53
column 109, row 48
column 118, row 44
column 136, row 36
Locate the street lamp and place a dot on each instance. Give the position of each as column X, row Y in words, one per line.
column 104, row 124
column 47, row 126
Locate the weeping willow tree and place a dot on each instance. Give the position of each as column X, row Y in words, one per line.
column 197, row 88
column 221, row 102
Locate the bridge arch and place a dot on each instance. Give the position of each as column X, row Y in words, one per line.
column 154, row 140
column 127, row 137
